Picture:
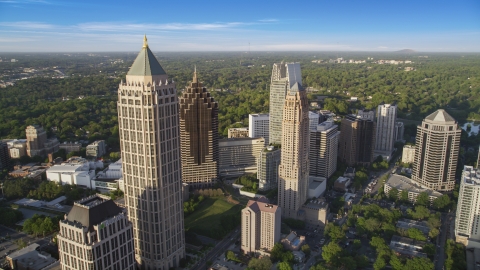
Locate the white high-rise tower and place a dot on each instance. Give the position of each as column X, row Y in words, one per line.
column 385, row 137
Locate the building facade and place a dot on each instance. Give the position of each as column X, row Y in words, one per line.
column 36, row 139
column 261, row 222
column 468, row 213
column 96, row 149
column 267, row 167
column 357, row 141
column 408, row 154
column 258, row 125
column 199, row 135
column 399, row 130
column 293, row 169
column 5, row 161
column 385, row 131
column 238, row 133
column 366, row 114
column 436, row 152
column 148, row 121
column 313, row 120
column 239, row 155
column 284, row 76
column 324, row 149
column 70, row 146
column 96, row 234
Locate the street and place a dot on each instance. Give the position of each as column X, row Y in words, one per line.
column 447, row 219
column 218, row 249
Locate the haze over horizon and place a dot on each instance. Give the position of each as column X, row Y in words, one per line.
column 109, row 26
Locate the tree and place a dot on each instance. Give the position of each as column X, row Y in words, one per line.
column 442, row 202
column 419, row 264
column 420, row 212
column 404, row 196
column 429, row 249
column 335, row 232
column 306, row 249
column 434, row 232
column 331, row 252
column 318, row 267
column 379, row 263
column 393, row 194
column 284, row 266
column 348, row 263
column 277, row 251
column 416, row 234
column 231, row 256
column 423, row 199
column 260, row 264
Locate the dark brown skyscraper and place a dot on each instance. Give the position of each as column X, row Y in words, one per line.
column 199, row 135
column 357, row 140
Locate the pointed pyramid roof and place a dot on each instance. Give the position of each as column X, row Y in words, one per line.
column 440, row 116
column 146, row 64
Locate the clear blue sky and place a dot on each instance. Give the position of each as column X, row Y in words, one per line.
column 231, row 25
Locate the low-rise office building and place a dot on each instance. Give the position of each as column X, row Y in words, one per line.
column 70, row 146
column 407, row 246
column 408, row 154
column 239, row 155
column 96, row 149
column 29, row 258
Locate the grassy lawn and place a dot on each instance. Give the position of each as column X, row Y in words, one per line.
column 206, row 218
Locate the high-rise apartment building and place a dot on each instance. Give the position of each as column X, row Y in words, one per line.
column 313, row 120
column 357, row 140
column 148, row 121
column 366, row 114
column 267, row 167
column 258, row 125
column 386, row 127
column 436, row 152
column 36, row 139
column 238, row 156
column 284, row 77
column 399, row 130
column 96, row 234
column 467, row 219
column 293, row 170
column 324, row 149
column 5, row 161
column 261, row 223
column 199, row 135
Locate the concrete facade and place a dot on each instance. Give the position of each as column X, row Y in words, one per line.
column 402, row 183
column 468, row 214
column 324, row 149
column 238, row 133
column 357, row 141
column 239, row 155
column 408, row 154
column 267, row 167
column 258, row 126
column 96, row 149
column 385, row 129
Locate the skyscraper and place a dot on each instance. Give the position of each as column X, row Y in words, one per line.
column 284, row 77
column 258, row 125
column 324, row 149
column 267, row 167
column 293, row 169
column 467, row 218
column 386, row 130
column 96, row 234
column 261, row 223
column 36, row 139
column 357, row 140
column 148, row 124
column 436, row 152
column 199, row 135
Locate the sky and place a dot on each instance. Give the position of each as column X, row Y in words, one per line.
column 232, row 25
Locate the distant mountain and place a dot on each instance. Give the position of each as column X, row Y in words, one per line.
column 406, row 51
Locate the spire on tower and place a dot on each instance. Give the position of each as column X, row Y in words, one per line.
column 145, row 43
column 195, row 79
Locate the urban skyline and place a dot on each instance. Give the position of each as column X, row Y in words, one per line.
column 53, row 25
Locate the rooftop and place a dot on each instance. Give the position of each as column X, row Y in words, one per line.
column 30, row 258
column 471, row 176
column 146, row 64
column 440, row 116
column 93, row 210
column 401, row 182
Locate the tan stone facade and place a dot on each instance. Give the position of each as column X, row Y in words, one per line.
column 150, row 143
column 261, row 223
column 96, row 234
column 293, row 169
column 198, row 135
column 436, row 152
